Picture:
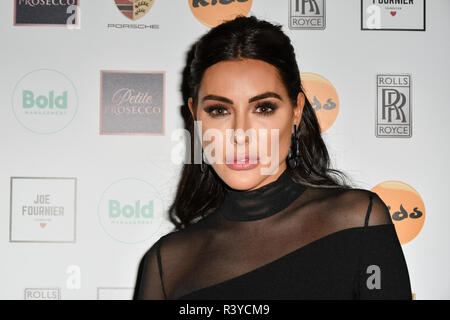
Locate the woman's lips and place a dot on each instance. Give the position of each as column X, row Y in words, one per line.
column 243, row 163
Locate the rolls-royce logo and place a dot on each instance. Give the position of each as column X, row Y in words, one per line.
column 307, row 14
column 394, row 106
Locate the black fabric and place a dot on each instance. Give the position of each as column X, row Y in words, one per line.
column 262, row 202
column 282, row 241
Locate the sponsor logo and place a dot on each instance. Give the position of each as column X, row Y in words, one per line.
column 401, row 15
column 323, row 98
column 42, row 209
column 132, row 103
column 134, row 9
column 42, row 294
column 45, row 101
column 393, row 110
column 46, row 13
column 405, row 206
column 214, row 12
column 307, row 14
column 131, row 210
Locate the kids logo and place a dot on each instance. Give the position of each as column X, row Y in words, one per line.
column 323, row 98
column 214, row 12
column 44, row 101
column 134, row 9
column 406, row 208
column 130, row 210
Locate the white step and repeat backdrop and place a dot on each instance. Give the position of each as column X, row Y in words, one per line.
column 90, row 103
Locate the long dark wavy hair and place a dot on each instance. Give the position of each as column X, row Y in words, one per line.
column 199, row 194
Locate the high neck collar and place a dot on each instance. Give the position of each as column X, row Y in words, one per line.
column 247, row 205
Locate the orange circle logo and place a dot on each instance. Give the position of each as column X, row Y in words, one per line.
column 405, row 206
column 214, row 12
column 323, row 98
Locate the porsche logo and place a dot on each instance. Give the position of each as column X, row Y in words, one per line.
column 134, row 9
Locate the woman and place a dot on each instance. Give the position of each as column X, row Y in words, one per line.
column 283, row 229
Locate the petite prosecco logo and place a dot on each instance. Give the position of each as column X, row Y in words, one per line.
column 132, row 103
column 47, row 13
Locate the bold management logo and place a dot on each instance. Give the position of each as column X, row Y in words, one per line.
column 131, row 210
column 44, row 101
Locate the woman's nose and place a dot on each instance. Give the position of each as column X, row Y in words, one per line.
column 239, row 130
column 239, row 136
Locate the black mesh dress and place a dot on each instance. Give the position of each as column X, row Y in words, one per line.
column 282, row 241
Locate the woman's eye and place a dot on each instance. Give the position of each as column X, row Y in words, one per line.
column 266, row 108
column 216, row 111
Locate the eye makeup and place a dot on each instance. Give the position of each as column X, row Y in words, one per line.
column 221, row 110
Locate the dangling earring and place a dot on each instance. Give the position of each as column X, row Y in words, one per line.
column 293, row 158
column 203, row 165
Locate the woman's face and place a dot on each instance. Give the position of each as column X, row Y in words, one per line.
column 240, row 95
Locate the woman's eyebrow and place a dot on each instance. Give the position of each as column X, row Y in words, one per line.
column 255, row 98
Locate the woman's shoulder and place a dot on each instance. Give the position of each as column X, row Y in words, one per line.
column 350, row 207
column 363, row 203
column 179, row 246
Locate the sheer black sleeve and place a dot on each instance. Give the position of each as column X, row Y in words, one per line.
column 149, row 285
column 383, row 269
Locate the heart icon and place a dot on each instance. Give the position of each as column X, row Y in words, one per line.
column 43, row 225
column 393, row 13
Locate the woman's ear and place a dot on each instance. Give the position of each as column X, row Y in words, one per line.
column 298, row 110
column 191, row 107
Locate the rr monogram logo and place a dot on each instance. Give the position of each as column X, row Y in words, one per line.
column 393, row 106
column 393, row 101
column 313, row 7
